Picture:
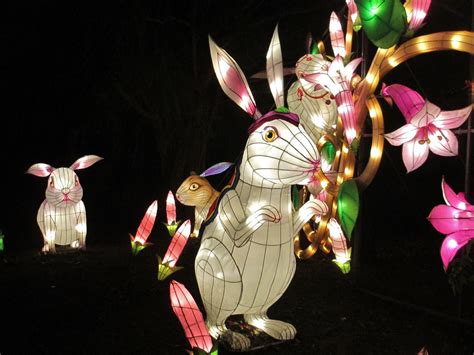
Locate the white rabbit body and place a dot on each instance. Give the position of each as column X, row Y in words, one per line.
column 246, row 259
column 62, row 215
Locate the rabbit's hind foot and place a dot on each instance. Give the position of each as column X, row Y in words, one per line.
column 275, row 328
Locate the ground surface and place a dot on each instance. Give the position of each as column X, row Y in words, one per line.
column 104, row 301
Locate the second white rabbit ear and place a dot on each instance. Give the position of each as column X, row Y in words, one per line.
column 232, row 79
column 275, row 69
column 85, row 162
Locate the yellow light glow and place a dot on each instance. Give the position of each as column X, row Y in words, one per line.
column 375, row 153
column 422, row 46
column 372, row 112
column 456, row 41
column 345, row 150
column 324, row 184
column 370, row 78
column 392, row 61
column 348, row 171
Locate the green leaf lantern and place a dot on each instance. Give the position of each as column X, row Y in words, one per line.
column 384, row 21
column 348, row 206
column 328, row 151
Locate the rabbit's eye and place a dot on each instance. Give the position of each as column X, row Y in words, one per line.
column 269, row 134
column 194, row 187
column 76, row 181
column 51, row 181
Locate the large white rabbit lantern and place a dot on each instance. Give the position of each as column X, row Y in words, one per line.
column 62, row 215
column 246, row 259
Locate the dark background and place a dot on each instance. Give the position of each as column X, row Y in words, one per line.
column 132, row 81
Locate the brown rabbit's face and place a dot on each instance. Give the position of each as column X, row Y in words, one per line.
column 63, row 188
column 195, row 191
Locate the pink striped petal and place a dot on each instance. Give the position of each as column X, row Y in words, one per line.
column 451, row 245
column 190, row 317
column 352, row 7
column 458, row 201
column 170, row 208
column 402, row 135
column 447, row 219
column 337, row 36
column 147, row 223
column 452, row 119
column 443, row 142
column 426, row 115
column 414, row 154
column 177, row 243
column 419, row 12
column 350, row 68
column 408, row 101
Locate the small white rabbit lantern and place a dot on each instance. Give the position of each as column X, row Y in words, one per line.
column 246, row 258
column 62, row 215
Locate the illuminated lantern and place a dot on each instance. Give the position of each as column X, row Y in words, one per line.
column 167, row 266
column 191, row 319
column 337, row 80
column 456, row 219
column 171, row 224
column 384, row 21
column 246, row 258
column 339, row 247
column 416, row 13
column 314, row 105
column 337, row 36
column 354, row 14
column 427, row 128
column 144, row 229
column 196, row 191
column 62, row 215
column 2, row 245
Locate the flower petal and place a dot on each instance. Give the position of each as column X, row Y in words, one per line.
column 443, row 142
column 458, row 201
column 452, row 243
column 426, row 115
column 414, row 154
column 350, row 68
column 448, row 219
column 452, row 119
column 408, row 101
column 402, row 135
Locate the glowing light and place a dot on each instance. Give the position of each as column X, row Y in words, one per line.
column 370, row 78
column 452, row 244
column 75, row 244
column 392, row 62
column 456, row 41
column 375, row 153
column 81, row 227
column 324, row 184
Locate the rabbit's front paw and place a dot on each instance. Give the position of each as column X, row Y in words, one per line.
column 269, row 213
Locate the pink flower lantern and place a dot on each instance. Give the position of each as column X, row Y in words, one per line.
column 456, row 219
column 139, row 241
column 427, row 128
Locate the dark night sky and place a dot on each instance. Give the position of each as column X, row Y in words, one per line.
column 119, row 79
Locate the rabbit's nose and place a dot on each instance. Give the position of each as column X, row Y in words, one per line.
column 65, row 191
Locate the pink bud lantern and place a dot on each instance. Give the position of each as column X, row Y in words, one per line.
column 339, row 246
column 167, row 266
column 427, row 128
column 455, row 219
column 191, row 319
column 337, row 36
column 171, row 224
column 139, row 242
column 62, row 215
column 354, row 14
column 419, row 10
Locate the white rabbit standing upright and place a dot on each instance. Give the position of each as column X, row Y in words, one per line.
column 62, row 215
column 246, row 259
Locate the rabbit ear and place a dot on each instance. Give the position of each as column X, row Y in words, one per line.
column 85, row 162
column 275, row 69
column 40, row 170
column 232, row 79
